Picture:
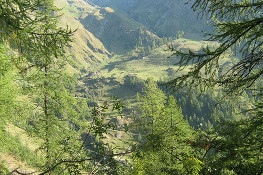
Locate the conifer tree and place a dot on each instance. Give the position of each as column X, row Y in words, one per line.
column 56, row 119
column 238, row 27
column 36, row 49
column 164, row 148
column 234, row 146
column 30, row 28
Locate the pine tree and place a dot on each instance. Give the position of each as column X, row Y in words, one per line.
column 238, row 27
column 235, row 146
column 148, row 50
column 153, row 44
column 152, row 103
column 30, row 28
column 36, row 49
column 56, row 119
column 164, row 148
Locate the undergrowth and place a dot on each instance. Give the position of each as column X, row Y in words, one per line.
column 12, row 145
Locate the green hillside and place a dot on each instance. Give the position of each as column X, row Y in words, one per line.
column 135, row 22
column 156, row 64
column 117, row 31
column 85, row 48
column 98, row 100
column 124, row 76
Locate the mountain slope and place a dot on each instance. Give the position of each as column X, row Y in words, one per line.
column 165, row 17
column 86, row 48
column 158, row 63
column 101, row 31
column 119, row 32
column 105, row 30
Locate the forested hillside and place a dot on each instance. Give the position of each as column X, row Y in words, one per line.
column 131, row 87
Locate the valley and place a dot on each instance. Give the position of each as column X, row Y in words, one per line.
column 108, row 105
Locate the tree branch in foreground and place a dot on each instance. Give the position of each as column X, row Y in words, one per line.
column 69, row 161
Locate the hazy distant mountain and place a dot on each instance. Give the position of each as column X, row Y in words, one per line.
column 119, row 32
column 164, row 17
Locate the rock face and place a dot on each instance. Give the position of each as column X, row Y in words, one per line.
column 163, row 17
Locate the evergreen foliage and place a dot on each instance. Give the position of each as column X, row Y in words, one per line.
column 30, row 27
column 164, row 147
column 34, row 86
column 8, row 87
column 203, row 111
column 55, row 118
column 36, row 49
column 238, row 29
column 233, row 146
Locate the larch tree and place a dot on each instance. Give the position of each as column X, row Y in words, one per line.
column 238, row 29
column 235, row 146
column 36, row 48
column 164, row 147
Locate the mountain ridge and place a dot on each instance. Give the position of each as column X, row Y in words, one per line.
column 105, row 28
column 164, row 17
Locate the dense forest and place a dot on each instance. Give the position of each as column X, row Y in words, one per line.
column 131, row 87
